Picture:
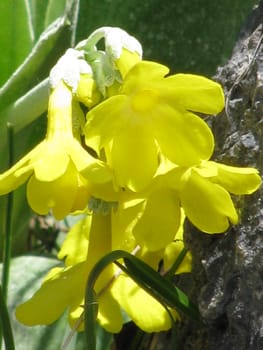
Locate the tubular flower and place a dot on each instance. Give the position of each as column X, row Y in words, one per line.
column 153, row 113
column 64, row 288
column 56, row 167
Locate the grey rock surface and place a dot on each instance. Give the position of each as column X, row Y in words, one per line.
column 228, row 268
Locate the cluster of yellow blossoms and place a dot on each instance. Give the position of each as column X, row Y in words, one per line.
column 135, row 166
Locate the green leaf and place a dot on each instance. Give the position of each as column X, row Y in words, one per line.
column 26, row 276
column 159, row 287
column 16, row 35
column 104, row 339
column 57, row 33
column 20, row 80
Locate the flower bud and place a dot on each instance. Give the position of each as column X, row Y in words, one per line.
column 87, row 91
column 69, row 68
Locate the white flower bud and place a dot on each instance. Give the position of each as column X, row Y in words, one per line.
column 68, row 68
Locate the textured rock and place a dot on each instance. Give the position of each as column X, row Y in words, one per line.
column 228, row 269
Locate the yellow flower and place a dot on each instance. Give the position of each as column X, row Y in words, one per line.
column 153, row 113
column 59, row 171
column 64, row 288
column 204, row 192
column 201, row 192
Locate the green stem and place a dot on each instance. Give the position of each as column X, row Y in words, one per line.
column 7, row 248
column 5, row 324
column 8, row 223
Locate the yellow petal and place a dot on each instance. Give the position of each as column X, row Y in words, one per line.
column 51, row 161
column 91, row 168
column 75, row 315
column 134, row 172
column 157, row 225
column 75, row 246
column 18, row 173
column 104, row 191
column 237, row 180
column 123, row 221
column 143, row 74
column 174, row 249
column 183, row 137
column 194, row 93
column 126, row 61
column 172, row 252
column 109, row 313
column 147, row 313
column 207, row 205
column 54, row 296
column 87, row 91
column 105, row 121
column 58, row 195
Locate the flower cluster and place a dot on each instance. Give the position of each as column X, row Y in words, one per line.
column 136, row 165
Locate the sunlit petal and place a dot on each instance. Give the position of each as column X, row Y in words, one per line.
column 54, row 296
column 171, row 254
column 158, row 223
column 58, row 195
column 75, row 245
column 126, row 61
column 173, row 250
column 194, row 93
column 143, row 73
column 134, row 157
column 123, row 220
column 109, row 313
column 51, row 161
column 146, row 312
column 207, row 205
column 183, row 137
column 237, row 180
column 18, row 173
column 105, row 121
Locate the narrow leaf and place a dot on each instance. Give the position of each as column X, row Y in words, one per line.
column 162, row 289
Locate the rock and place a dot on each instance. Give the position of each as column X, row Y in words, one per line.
column 228, row 268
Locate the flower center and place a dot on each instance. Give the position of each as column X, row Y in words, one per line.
column 144, row 100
